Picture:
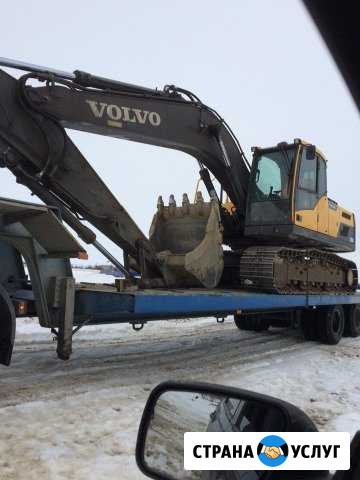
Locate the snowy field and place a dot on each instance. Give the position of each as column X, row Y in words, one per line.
column 78, row 420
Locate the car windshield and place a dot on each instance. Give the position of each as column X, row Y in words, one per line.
column 272, row 175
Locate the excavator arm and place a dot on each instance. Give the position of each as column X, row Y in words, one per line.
column 35, row 147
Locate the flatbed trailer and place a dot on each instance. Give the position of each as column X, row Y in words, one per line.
column 99, row 305
column 322, row 317
column 36, row 234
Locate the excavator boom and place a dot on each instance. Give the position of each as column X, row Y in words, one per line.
column 172, row 118
column 36, row 148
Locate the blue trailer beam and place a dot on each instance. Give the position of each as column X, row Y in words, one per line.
column 113, row 307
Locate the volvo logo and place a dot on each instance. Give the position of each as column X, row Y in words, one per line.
column 116, row 114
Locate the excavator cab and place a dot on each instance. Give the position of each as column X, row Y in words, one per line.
column 288, row 204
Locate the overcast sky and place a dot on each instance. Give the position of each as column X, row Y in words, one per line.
column 260, row 63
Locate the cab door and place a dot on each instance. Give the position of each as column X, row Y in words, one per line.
column 322, row 206
column 306, row 198
column 311, row 203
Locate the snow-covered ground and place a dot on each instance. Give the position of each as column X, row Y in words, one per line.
column 78, row 420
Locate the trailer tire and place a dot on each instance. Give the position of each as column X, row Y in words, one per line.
column 242, row 322
column 352, row 322
column 310, row 324
column 331, row 324
column 251, row 323
column 260, row 324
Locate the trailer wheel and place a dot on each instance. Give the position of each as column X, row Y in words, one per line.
column 260, row 324
column 310, row 324
column 242, row 322
column 331, row 324
column 352, row 322
column 251, row 322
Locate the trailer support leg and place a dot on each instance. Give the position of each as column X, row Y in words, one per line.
column 65, row 331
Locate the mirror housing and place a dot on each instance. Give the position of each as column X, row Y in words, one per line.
column 354, row 472
column 293, row 419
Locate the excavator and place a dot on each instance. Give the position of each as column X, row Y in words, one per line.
column 268, row 227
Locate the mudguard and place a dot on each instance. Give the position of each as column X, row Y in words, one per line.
column 7, row 327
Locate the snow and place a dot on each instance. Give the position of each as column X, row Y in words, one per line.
column 175, row 414
column 92, row 276
column 79, row 419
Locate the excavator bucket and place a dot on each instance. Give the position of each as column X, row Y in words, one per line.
column 188, row 242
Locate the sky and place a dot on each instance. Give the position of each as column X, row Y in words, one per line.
column 260, row 63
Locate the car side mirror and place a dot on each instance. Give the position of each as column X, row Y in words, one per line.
column 354, row 472
column 310, row 152
column 174, row 408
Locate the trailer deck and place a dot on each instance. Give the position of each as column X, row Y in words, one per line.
column 322, row 317
column 104, row 304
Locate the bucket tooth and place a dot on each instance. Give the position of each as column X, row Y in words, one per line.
column 199, row 204
column 172, row 210
column 185, row 200
column 160, row 203
column 172, row 201
column 199, row 198
column 185, row 210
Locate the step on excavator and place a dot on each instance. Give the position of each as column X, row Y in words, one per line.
column 269, row 226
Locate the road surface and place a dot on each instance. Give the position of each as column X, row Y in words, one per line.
column 78, row 420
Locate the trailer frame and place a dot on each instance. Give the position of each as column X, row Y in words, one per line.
column 36, row 233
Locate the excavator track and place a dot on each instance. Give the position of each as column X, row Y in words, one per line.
column 290, row 270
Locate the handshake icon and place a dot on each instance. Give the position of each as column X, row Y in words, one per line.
column 273, row 452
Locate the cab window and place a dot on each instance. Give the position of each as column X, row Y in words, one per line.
column 311, row 183
column 322, row 184
column 307, row 175
column 272, row 174
column 269, row 176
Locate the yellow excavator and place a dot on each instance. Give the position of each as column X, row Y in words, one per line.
column 280, row 228
column 289, row 216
